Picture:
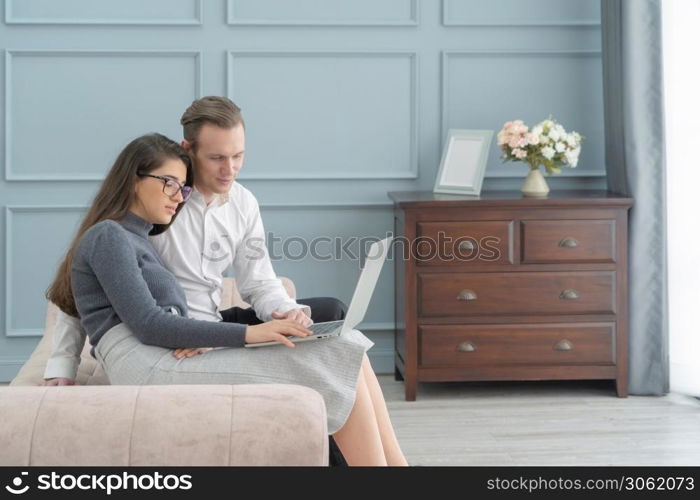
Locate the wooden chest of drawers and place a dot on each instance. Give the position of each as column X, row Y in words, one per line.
column 501, row 287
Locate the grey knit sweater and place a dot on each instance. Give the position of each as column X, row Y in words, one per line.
column 118, row 277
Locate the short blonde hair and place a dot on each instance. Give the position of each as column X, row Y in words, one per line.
column 217, row 110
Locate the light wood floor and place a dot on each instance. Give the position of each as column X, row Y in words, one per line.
column 542, row 423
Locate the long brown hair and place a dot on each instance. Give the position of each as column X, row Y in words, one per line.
column 117, row 193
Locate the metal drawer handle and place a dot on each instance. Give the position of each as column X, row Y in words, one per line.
column 568, row 242
column 466, row 346
column 564, row 345
column 466, row 294
column 466, row 246
column 569, row 294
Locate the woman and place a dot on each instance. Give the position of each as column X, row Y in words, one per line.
column 135, row 312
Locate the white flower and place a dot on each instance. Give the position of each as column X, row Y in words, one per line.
column 537, row 130
column 560, row 147
column 574, row 139
column 544, row 139
column 554, row 134
column 547, row 123
column 572, row 157
column 548, row 152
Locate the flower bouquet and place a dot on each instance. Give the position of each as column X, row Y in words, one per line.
column 546, row 144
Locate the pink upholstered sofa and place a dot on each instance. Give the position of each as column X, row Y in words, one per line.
column 96, row 423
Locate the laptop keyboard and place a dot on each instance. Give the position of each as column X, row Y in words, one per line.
column 326, row 327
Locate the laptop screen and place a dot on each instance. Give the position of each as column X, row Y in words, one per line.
column 367, row 282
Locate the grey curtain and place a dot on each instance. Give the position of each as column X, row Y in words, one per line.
column 634, row 154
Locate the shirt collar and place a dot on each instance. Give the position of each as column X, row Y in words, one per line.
column 218, row 200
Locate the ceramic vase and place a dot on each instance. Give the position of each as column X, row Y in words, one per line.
column 535, row 185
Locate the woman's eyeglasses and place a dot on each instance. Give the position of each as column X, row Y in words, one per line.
column 171, row 186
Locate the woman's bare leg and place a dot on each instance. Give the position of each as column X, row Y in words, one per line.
column 392, row 450
column 359, row 439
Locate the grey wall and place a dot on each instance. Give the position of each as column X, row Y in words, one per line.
column 344, row 100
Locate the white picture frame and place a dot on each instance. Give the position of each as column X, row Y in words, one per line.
column 463, row 162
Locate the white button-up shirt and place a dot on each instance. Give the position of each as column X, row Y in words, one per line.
column 206, row 239
column 198, row 248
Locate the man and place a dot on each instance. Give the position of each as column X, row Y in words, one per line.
column 219, row 226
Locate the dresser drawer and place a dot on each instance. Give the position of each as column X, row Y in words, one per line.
column 568, row 241
column 449, row 243
column 469, row 294
column 590, row 343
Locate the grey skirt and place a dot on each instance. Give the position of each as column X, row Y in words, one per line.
column 330, row 366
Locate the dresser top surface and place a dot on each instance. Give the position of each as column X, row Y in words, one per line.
column 509, row 198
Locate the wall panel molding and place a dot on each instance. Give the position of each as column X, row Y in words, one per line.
column 195, row 20
column 412, row 172
column 231, row 19
column 10, row 211
column 10, row 366
column 12, row 54
column 327, row 206
column 344, row 100
column 572, row 22
column 448, row 55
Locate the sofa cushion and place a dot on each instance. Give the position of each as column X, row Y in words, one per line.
column 90, row 372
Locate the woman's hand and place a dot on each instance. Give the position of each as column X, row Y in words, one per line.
column 59, row 381
column 275, row 330
column 190, row 351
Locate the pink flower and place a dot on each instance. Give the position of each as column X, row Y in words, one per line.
column 532, row 138
column 514, row 142
column 519, row 153
column 502, row 137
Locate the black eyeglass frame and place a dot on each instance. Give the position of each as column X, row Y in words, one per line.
column 180, row 188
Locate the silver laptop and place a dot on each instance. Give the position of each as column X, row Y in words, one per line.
column 360, row 299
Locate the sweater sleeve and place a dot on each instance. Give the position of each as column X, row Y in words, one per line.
column 113, row 261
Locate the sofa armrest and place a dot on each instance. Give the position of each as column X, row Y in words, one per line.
column 163, row 425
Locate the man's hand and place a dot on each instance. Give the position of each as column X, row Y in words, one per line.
column 59, row 381
column 188, row 352
column 294, row 315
